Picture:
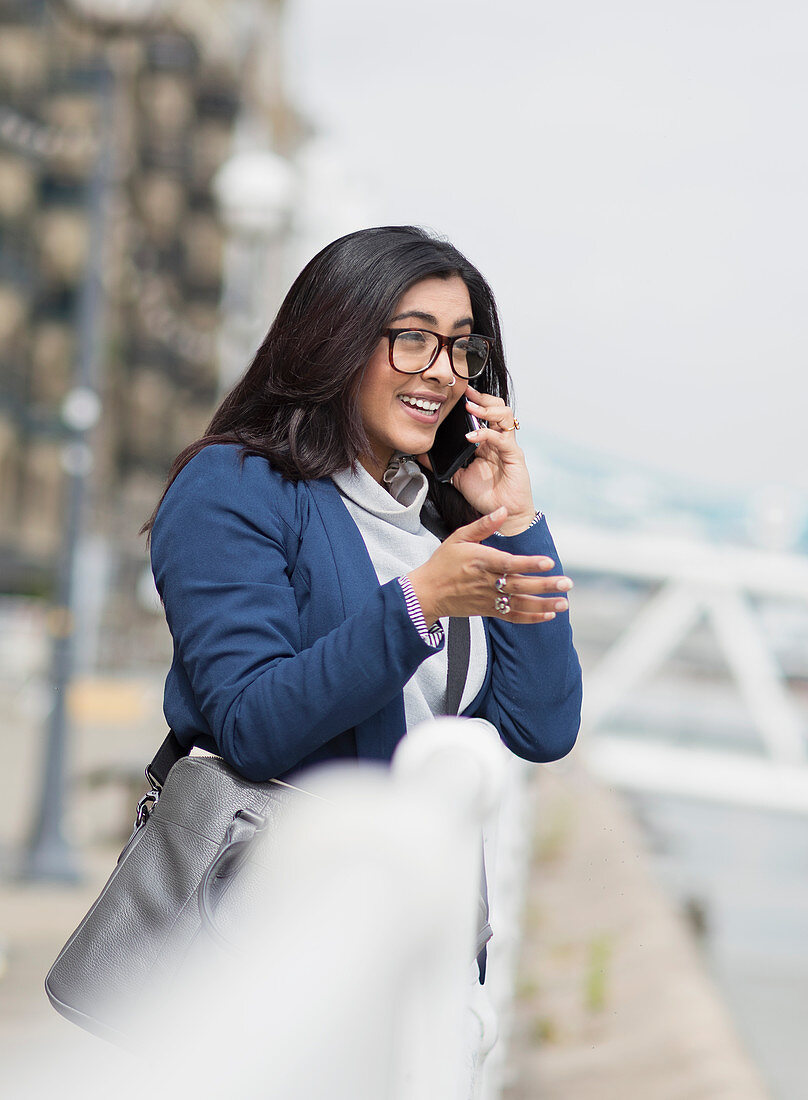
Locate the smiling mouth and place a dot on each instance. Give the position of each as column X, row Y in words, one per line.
column 421, row 405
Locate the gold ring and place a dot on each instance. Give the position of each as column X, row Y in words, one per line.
column 513, row 426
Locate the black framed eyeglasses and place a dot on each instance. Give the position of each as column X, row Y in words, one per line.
column 414, row 350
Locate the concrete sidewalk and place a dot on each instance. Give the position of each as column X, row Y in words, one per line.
column 613, row 998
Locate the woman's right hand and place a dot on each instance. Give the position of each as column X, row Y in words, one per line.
column 460, row 579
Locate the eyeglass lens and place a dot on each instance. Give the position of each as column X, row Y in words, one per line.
column 413, row 350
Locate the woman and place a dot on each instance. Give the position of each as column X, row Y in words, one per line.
column 297, row 548
column 303, row 590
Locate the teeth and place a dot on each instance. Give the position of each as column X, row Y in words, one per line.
column 419, row 403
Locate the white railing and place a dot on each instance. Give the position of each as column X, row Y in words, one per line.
column 697, row 581
column 360, row 973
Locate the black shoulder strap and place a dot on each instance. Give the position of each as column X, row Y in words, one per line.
column 431, row 519
column 458, row 648
column 458, row 643
column 166, row 757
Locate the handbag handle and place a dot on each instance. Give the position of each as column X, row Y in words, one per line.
column 233, row 851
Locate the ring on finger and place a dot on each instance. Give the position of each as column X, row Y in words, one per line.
column 501, row 582
column 513, row 426
column 502, row 604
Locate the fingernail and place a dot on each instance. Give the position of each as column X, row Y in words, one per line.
column 564, row 585
column 471, row 435
column 550, row 615
column 547, row 563
column 560, row 605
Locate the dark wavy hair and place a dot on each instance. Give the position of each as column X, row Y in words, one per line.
column 297, row 404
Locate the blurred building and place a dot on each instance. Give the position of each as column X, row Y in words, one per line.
column 179, row 92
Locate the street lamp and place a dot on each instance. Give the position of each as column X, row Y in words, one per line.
column 115, row 17
column 49, row 856
column 254, row 189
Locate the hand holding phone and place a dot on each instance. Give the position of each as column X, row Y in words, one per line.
column 498, row 475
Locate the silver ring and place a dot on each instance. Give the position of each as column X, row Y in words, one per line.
column 503, row 604
column 501, row 582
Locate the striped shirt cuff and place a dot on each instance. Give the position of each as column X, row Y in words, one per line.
column 536, row 519
column 433, row 636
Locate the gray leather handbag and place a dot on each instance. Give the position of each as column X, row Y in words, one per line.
column 191, row 869
column 184, row 866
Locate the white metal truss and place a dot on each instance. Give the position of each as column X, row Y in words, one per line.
column 699, row 581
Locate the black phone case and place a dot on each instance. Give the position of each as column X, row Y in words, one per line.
column 451, row 450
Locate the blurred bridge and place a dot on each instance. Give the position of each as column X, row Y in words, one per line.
column 733, row 561
column 694, row 580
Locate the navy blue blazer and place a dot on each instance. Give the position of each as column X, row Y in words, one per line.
column 288, row 651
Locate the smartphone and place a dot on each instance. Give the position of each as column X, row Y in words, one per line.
column 451, row 450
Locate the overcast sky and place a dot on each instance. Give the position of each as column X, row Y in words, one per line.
column 632, row 178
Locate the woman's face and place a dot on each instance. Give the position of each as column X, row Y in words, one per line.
column 391, row 421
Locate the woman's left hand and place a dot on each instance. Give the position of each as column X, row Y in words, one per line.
column 498, row 475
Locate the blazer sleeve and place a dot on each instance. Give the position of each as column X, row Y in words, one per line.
column 535, row 694
column 220, row 556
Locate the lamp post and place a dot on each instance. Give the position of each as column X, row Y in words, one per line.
column 254, row 189
column 48, row 855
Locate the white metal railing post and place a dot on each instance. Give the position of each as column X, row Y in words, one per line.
column 508, row 846
column 461, row 762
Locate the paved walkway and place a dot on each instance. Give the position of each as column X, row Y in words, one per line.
column 613, row 998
